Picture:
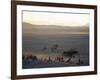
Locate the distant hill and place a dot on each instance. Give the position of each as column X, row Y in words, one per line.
column 53, row 29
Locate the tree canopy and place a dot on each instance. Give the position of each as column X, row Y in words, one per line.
column 70, row 53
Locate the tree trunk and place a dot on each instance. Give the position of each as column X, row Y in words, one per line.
column 69, row 59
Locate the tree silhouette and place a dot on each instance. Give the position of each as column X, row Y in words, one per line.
column 44, row 49
column 54, row 47
column 70, row 54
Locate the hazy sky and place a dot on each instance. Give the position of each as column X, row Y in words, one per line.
column 61, row 19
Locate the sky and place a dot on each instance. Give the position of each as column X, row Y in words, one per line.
column 52, row 18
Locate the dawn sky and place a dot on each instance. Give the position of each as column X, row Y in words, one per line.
column 61, row 19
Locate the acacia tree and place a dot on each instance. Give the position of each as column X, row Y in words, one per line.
column 54, row 47
column 70, row 54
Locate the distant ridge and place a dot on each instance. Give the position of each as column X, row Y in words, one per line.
column 53, row 29
column 52, row 26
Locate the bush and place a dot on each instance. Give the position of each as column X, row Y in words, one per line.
column 34, row 57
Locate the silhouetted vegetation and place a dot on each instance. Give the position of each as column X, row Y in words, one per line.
column 66, row 54
column 32, row 57
column 70, row 54
column 54, row 47
column 44, row 49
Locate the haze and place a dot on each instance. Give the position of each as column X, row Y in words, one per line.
column 52, row 18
